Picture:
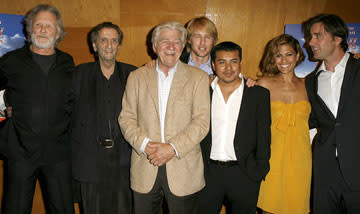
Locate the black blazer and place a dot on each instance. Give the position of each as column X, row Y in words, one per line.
column 252, row 137
column 41, row 106
column 342, row 130
column 85, row 156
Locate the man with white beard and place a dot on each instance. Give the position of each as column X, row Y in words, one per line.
column 38, row 78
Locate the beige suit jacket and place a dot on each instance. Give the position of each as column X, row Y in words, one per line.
column 186, row 124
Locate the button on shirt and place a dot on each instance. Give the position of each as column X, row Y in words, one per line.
column 205, row 67
column 329, row 84
column 223, row 121
column 164, row 86
column 109, row 94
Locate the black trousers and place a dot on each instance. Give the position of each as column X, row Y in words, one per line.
column 55, row 181
column 100, row 199
column 230, row 184
column 151, row 203
column 331, row 194
column 112, row 193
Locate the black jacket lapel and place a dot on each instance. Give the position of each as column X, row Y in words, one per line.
column 347, row 84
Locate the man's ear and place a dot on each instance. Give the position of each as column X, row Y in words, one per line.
column 338, row 40
column 94, row 47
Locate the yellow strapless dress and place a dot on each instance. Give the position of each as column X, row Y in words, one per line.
column 286, row 189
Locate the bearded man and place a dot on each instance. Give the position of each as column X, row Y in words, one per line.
column 38, row 79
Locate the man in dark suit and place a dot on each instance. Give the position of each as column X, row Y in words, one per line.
column 236, row 152
column 101, row 156
column 334, row 92
column 37, row 78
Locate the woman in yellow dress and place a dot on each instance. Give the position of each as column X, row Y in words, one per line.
column 286, row 189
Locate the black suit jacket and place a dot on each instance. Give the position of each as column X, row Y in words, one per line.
column 341, row 132
column 41, row 106
column 85, row 145
column 252, row 137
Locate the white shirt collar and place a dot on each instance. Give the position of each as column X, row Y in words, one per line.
column 341, row 65
column 215, row 81
column 171, row 71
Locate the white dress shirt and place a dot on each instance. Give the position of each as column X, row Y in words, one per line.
column 223, row 121
column 164, row 86
column 329, row 85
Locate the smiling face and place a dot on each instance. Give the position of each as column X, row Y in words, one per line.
column 44, row 31
column 322, row 44
column 107, row 44
column 286, row 59
column 168, row 48
column 227, row 66
column 201, row 42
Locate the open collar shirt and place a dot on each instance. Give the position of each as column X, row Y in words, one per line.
column 205, row 67
column 164, row 86
column 224, row 116
column 329, row 84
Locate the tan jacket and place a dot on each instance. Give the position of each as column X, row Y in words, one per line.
column 186, row 124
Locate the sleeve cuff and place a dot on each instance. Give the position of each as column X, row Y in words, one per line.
column 143, row 145
column 176, row 153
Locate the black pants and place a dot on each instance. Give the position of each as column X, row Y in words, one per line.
column 55, row 181
column 151, row 203
column 331, row 194
column 100, row 199
column 230, row 184
column 112, row 193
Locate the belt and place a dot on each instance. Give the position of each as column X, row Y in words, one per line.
column 224, row 163
column 107, row 143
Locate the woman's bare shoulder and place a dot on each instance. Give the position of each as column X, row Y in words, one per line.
column 266, row 81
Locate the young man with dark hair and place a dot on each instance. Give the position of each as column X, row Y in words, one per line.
column 236, row 151
column 334, row 91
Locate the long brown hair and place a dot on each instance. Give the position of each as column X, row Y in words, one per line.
column 267, row 64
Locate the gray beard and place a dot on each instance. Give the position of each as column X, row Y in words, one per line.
column 49, row 44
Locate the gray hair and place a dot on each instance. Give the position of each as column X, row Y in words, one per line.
column 29, row 18
column 172, row 26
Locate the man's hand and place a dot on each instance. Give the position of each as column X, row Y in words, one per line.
column 357, row 55
column 160, row 153
column 150, row 64
column 149, row 150
column 250, row 82
column 8, row 111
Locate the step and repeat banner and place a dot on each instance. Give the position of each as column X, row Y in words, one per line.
column 11, row 37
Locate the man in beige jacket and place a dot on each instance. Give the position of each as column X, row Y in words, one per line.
column 165, row 115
